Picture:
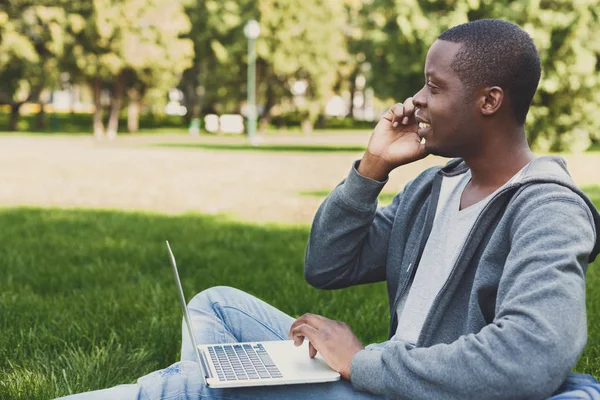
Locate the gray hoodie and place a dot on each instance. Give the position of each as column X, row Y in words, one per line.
column 509, row 322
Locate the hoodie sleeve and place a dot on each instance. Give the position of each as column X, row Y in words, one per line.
column 538, row 332
column 349, row 236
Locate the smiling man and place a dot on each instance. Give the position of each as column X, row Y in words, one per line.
column 484, row 258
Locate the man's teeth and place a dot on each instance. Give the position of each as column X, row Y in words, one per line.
column 424, row 125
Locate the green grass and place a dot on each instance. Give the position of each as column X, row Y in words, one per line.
column 123, row 132
column 78, row 123
column 87, row 299
column 284, row 148
column 595, row 147
column 593, row 193
column 384, row 197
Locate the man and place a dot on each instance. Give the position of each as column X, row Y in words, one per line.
column 484, row 259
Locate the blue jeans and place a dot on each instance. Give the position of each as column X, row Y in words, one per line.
column 224, row 315
column 227, row 315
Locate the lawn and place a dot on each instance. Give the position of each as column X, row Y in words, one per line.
column 87, row 299
column 384, row 198
column 286, row 148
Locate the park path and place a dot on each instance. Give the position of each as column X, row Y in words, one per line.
column 130, row 174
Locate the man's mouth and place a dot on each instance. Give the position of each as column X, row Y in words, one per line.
column 423, row 125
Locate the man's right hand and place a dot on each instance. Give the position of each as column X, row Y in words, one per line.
column 394, row 142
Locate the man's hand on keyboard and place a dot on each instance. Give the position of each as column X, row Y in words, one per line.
column 333, row 339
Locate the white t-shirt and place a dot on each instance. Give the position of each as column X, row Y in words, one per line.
column 448, row 234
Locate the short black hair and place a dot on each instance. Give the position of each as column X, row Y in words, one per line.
column 497, row 53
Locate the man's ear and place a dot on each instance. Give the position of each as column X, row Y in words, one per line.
column 491, row 100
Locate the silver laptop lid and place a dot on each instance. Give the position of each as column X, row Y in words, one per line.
column 186, row 316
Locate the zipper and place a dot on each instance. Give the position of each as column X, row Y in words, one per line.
column 417, row 251
column 404, row 286
column 460, row 254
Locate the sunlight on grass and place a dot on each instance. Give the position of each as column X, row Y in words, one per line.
column 384, row 198
column 595, row 147
column 593, row 192
column 284, row 148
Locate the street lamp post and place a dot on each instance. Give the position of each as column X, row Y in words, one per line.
column 252, row 30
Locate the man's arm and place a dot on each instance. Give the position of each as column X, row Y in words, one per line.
column 349, row 236
column 537, row 335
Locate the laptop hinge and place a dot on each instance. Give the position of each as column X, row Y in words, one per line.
column 205, row 365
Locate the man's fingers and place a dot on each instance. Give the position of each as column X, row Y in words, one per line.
column 400, row 113
column 311, row 319
column 303, row 331
column 312, row 351
column 394, row 114
column 409, row 110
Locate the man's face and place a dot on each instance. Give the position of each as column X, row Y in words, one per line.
column 446, row 111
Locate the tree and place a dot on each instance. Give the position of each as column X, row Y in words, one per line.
column 129, row 45
column 31, row 43
column 299, row 41
column 216, row 80
column 302, row 41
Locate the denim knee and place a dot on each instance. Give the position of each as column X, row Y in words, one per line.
column 215, row 294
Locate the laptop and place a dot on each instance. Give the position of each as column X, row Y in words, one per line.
column 267, row 363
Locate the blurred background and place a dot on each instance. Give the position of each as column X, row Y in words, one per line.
column 221, row 126
column 118, row 66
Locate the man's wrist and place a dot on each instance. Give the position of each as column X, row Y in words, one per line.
column 373, row 168
column 347, row 373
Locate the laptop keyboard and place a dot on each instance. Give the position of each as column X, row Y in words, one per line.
column 240, row 362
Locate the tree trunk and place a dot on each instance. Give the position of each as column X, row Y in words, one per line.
column 320, row 124
column 195, row 95
column 14, row 116
column 201, row 90
column 307, row 126
column 265, row 119
column 133, row 111
column 41, row 123
column 189, row 87
column 98, row 124
column 115, row 107
column 352, row 90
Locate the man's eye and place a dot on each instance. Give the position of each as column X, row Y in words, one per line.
column 432, row 88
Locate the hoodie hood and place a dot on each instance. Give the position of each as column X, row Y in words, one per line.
column 545, row 169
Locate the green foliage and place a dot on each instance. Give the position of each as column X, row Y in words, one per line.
column 294, row 119
column 399, row 32
column 31, row 44
column 154, row 45
column 298, row 41
column 303, row 40
column 82, row 123
column 140, row 37
column 218, row 75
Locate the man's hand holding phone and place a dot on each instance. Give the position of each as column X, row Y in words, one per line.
column 394, row 142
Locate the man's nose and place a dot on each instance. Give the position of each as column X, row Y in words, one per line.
column 419, row 99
